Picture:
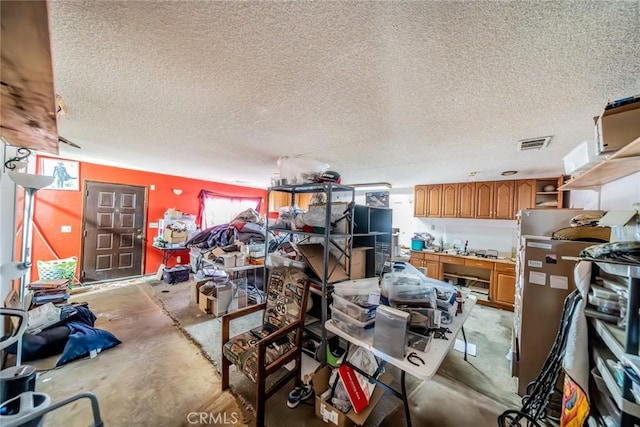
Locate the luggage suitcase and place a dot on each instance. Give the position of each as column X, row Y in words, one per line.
column 176, row 274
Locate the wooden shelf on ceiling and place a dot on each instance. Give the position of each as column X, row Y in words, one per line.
column 27, row 95
column 623, row 162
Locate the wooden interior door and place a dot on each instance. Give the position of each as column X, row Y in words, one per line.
column 113, row 231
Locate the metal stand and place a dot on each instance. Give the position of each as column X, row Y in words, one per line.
column 95, row 409
column 402, row 395
column 464, row 337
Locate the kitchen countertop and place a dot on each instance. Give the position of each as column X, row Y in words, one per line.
column 501, row 260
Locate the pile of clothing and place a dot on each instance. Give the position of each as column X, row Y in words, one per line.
column 74, row 335
column 247, row 227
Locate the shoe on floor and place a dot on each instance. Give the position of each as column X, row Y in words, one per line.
column 299, row 394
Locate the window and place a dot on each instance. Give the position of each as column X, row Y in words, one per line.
column 218, row 209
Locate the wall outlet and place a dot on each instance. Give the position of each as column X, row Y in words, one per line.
column 65, row 229
column 152, row 187
column 433, row 227
column 178, row 259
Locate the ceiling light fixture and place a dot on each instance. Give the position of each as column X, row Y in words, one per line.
column 372, row 186
column 508, row 173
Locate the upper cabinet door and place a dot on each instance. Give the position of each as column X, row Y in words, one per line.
column 434, row 201
column 420, row 201
column 303, row 200
column 484, row 200
column 449, row 200
column 503, row 200
column 524, row 195
column 466, row 199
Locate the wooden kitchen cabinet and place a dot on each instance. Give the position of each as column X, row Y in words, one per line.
column 484, row 200
column 434, row 201
column 544, row 198
column 430, row 262
column 503, row 287
column 302, row 200
column 427, row 201
column 433, row 269
column 494, row 200
column 503, row 200
column 466, row 199
column 420, row 201
column 503, row 284
column 278, row 199
column 524, row 195
column 495, row 279
column 449, row 201
column 487, row 199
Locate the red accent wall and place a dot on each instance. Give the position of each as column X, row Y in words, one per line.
column 55, row 208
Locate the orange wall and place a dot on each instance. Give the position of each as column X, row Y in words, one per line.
column 55, row 208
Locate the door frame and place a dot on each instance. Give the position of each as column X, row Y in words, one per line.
column 85, row 194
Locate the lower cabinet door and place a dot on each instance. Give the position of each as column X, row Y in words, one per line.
column 415, row 262
column 504, row 288
column 433, row 269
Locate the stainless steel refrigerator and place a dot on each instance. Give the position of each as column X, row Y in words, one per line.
column 543, row 281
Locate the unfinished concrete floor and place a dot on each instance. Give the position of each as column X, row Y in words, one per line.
column 157, row 377
column 463, row 393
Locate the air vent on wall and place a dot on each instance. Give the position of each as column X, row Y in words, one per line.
column 533, row 143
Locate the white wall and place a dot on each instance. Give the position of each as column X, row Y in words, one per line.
column 622, row 194
column 481, row 234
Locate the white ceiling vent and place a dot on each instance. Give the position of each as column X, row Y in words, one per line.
column 533, row 143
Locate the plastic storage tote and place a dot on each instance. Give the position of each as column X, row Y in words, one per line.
column 356, row 306
column 350, row 325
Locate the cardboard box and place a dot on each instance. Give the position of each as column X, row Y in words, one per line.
column 617, row 127
column 173, row 236
column 195, row 286
column 217, row 301
column 221, row 300
column 362, row 262
column 333, row 417
column 314, row 254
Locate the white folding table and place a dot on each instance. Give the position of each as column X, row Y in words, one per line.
column 432, row 358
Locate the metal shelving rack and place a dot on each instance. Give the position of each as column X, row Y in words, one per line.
column 624, row 345
column 329, row 239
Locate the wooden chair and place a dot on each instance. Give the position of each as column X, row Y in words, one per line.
column 287, row 293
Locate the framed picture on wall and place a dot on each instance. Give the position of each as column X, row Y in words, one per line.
column 66, row 174
column 379, row 199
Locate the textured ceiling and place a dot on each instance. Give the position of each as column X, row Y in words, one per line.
column 404, row 92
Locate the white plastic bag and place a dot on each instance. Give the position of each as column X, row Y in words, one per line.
column 300, row 170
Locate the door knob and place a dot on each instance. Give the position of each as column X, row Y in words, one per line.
column 140, row 236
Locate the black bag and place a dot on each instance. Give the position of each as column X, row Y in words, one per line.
column 176, row 274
